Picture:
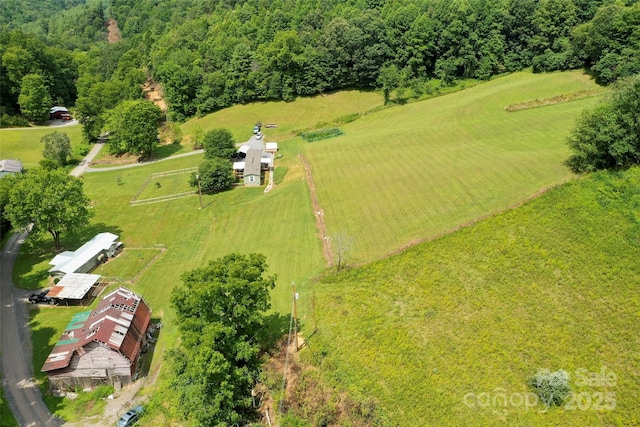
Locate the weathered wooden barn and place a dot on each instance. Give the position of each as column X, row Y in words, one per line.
column 102, row 346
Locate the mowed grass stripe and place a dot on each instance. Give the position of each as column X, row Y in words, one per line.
column 290, row 117
column 415, row 171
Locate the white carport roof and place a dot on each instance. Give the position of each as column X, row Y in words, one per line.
column 73, row 286
column 238, row 165
column 244, row 148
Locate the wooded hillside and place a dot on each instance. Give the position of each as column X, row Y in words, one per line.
column 210, row 55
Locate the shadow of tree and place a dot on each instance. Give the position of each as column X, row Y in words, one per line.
column 30, row 270
column 163, row 151
column 40, row 341
column 276, row 325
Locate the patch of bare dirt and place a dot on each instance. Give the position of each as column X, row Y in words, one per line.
column 544, row 102
column 153, row 93
column 327, row 251
column 113, row 32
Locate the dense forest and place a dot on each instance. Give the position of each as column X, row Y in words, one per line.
column 208, row 55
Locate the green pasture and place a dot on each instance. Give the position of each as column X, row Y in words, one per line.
column 24, row 143
column 290, row 117
column 552, row 284
column 129, row 263
column 398, row 175
column 410, row 172
column 163, row 186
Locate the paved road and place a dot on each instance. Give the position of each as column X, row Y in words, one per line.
column 133, row 165
column 21, row 391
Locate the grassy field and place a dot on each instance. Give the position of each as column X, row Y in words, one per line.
column 278, row 224
column 553, row 284
column 410, row 172
column 433, row 164
column 25, row 145
column 290, row 117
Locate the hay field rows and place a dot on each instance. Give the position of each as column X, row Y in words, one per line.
column 398, row 175
column 410, row 172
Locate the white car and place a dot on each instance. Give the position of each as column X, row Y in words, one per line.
column 259, row 135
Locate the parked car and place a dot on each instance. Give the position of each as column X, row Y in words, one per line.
column 256, row 129
column 259, row 135
column 131, row 417
column 41, row 298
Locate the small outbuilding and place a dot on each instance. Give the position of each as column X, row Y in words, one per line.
column 86, row 257
column 59, row 113
column 102, row 346
column 9, row 167
column 74, row 288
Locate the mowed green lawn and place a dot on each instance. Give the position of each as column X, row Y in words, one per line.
column 25, row 145
column 281, row 224
column 441, row 334
column 290, row 117
column 278, row 224
column 412, row 172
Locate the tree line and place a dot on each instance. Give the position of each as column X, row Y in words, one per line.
column 209, row 55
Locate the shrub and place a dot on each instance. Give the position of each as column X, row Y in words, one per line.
column 551, row 387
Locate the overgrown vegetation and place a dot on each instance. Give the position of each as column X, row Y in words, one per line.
column 482, row 309
column 609, row 135
column 321, row 134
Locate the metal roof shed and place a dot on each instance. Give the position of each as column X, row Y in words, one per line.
column 86, row 256
column 74, row 286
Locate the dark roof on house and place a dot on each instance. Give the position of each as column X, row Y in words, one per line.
column 119, row 322
column 252, row 162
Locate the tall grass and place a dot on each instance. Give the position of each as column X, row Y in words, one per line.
column 552, row 284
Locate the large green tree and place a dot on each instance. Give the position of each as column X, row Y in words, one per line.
column 34, row 99
column 609, row 135
column 214, row 175
column 220, row 311
column 219, row 143
column 134, row 127
column 52, row 200
column 57, row 148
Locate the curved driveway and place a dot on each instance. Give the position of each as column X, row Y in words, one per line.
column 21, row 391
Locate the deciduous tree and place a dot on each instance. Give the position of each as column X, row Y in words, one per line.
column 214, row 175
column 609, row 135
column 53, row 201
column 220, row 314
column 219, row 143
column 57, row 148
column 34, row 99
column 134, row 127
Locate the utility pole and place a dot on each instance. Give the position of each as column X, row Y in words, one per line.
column 295, row 314
column 199, row 190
